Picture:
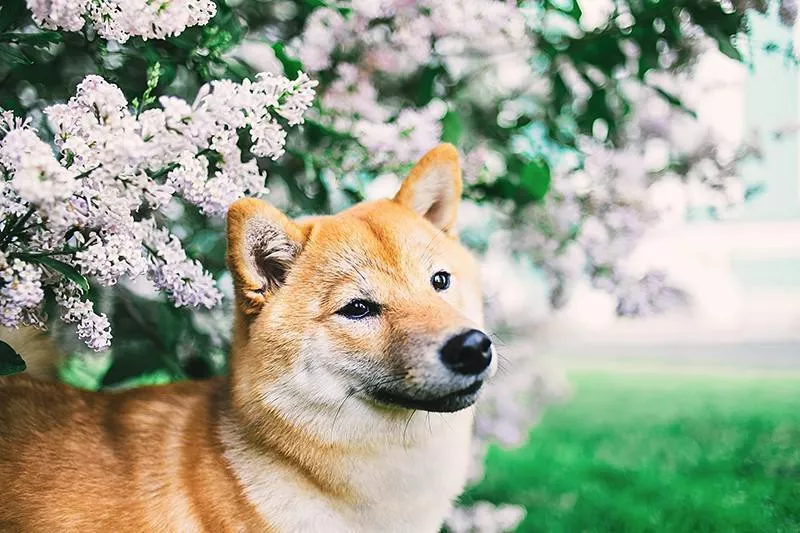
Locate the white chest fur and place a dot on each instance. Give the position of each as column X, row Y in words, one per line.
column 408, row 485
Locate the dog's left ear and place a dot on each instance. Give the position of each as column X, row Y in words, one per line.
column 263, row 244
column 433, row 188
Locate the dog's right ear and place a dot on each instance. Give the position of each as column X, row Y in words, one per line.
column 262, row 245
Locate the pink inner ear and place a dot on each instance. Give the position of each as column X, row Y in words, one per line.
column 437, row 212
column 433, row 187
column 435, row 195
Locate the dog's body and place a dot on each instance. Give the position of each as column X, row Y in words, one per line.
column 169, row 459
column 339, row 342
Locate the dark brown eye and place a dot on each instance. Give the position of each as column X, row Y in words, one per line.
column 358, row 309
column 441, row 280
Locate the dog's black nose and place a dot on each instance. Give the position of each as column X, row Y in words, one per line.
column 467, row 353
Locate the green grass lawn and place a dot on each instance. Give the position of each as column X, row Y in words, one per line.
column 658, row 452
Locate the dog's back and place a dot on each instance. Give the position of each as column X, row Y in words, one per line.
column 113, row 449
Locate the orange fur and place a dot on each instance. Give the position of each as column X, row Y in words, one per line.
column 290, row 441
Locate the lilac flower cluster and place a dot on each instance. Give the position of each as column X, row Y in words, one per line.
column 394, row 38
column 119, row 20
column 97, row 206
column 602, row 204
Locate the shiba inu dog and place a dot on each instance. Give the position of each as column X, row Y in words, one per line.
column 357, row 356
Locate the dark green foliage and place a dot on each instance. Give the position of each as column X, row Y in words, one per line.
column 10, row 360
column 62, row 268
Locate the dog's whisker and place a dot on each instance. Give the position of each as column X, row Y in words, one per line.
column 405, row 430
column 339, row 410
column 497, row 338
column 504, row 364
column 386, row 380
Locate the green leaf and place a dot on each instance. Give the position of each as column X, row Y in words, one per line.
column 319, row 131
column 425, row 84
column 10, row 361
column 674, row 100
column 755, row 190
column 157, row 377
column 291, row 66
column 724, row 43
column 61, row 267
column 84, row 372
column 168, row 326
column 13, row 56
column 133, row 359
column 35, row 39
column 535, row 178
column 239, row 70
column 316, row 3
column 11, row 11
column 452, row 127
column 568, row 7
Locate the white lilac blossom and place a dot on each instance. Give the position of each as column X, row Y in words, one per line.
column 406, row 138
column 182, row 278
column 598, row 211
column 93, row 328
column 787, row 9
column 647, row 295
column 484, row 517
column 95, row 206
column 119, row 20
column 394, row 38
column 20, row 290
column 400, row 137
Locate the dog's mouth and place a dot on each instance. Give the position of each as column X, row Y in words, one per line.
column 448, row 403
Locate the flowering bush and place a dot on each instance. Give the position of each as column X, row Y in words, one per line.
column 93, row 212
column 571, row 120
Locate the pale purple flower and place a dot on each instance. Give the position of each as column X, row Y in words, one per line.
column 94, row 329
column 298, row 98
column 119, row 20
column 485, row 517
column 87, row 201
column 20, row 290
column 184, row 280
column 66, row 14
column 110, row 256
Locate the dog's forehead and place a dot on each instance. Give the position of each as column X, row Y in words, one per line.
column 378, row 234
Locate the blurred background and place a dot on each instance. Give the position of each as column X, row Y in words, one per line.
column 632, row 188
column 685, row 421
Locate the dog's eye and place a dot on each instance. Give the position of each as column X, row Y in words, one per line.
column 359, row 309
column 441, row 280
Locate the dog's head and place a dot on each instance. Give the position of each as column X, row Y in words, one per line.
column 380, row 302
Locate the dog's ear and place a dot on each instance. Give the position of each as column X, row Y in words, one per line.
column 433, row 188
column 262, row 245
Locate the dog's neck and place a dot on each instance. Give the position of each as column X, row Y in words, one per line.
column 371, row 467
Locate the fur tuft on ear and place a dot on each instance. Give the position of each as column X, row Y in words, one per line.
column 262, row 245
column 433, row 188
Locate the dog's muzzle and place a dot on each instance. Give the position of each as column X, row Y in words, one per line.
column 465, row 360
